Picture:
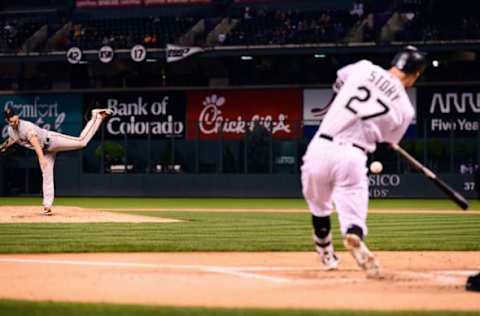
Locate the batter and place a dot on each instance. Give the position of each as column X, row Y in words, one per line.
column 371, row 106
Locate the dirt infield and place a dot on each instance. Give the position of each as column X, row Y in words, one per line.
column 67, row 214
column 413, row 280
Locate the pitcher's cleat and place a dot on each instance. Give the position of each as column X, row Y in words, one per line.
column 102, row 112
column 364, row 258
column 47, row 212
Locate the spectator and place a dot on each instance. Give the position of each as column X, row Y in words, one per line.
column 105, row 41
column 357, row 9
column 77, row 33
column 147, row 40
column 369, row 29
column 247, row 14
column 221, row 38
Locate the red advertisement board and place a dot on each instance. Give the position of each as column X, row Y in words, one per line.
column 163, row 2
column 235, row 112
column 263, row 1
column 87, row 3
column 128, row 3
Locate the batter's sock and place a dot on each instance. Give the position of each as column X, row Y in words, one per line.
column 355, row 230
column 323, row 244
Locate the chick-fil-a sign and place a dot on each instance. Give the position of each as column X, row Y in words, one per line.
column 233, row 113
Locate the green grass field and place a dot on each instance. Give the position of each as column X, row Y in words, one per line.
column 26, row 308
column 119, row 203
column 236, row 231
column 227, row 231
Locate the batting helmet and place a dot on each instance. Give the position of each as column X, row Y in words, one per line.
column 9, row 111
column 410, row 60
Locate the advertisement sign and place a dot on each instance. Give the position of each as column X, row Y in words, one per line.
column 232, row 113
column 163, row 2
column 316, row 103
column 160, row 114
column 56, row 112
column 107, row 3
column 176, row 53
column 128, row 3
column 448, row 110
column 392, row 185
column 86, row 3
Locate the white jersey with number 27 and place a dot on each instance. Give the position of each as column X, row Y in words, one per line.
column 371, row 106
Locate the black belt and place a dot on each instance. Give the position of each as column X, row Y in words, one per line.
column 330, row 138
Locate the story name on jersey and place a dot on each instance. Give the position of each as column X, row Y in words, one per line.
column 383, row 84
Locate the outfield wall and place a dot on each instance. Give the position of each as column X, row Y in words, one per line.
column 241, row 142
column 243, row 185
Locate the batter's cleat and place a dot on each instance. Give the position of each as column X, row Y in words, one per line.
column 47, row 212
column 102, row 112
column 365, row 259
column 328, row 258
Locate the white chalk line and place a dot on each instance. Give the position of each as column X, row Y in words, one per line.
column 211, row 269
column 249, row 275
column 248, row 272
column 443, row 277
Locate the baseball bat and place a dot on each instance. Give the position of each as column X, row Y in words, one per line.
column 449, row 191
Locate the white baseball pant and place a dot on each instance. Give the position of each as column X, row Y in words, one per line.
column 335, row 173
column 59, row 142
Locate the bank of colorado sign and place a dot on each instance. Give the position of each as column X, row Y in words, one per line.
column 231, row 114
column 143, row 114
column 449, row 110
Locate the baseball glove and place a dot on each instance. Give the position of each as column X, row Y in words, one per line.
column 3, row 147
column 6, row 149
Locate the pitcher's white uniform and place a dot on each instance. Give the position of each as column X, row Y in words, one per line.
column 52, row 142
column 371, row 106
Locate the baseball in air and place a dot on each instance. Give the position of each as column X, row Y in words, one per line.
column 376, row 167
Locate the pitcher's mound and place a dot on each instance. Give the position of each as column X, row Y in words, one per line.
column 67, row 214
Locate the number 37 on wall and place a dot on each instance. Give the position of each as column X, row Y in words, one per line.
column 469, row 186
